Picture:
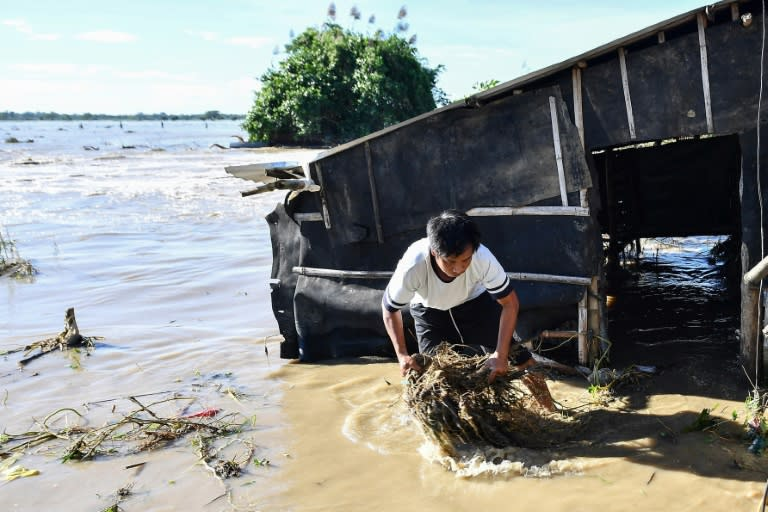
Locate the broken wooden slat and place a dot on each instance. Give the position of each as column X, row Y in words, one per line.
column 558, row 150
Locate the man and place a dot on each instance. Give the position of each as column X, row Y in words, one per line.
column 458, row 293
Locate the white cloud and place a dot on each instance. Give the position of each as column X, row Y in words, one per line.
column 106, row 36
column 21, row 26
column 153, row 74
column 57, row 68
column 206, row 36
column 251, row 42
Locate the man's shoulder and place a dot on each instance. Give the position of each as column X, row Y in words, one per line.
column 417, row 251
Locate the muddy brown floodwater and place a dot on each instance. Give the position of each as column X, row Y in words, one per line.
column 158, row 254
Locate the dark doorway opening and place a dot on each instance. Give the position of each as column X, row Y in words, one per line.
column 670, row 219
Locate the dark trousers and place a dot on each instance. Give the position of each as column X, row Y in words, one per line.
column 472, row 326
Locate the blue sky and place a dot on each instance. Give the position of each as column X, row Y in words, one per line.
column 173, row 56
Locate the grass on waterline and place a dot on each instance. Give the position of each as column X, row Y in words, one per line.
column 11, row 263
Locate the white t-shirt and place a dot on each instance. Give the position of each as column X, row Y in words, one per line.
column 415, row 281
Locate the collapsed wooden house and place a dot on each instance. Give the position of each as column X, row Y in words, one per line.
column 655, row 134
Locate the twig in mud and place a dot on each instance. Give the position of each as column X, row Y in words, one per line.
column 140, row 430
column 70, row 337
column 126, row 397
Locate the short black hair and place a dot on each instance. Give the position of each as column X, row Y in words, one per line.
column 450, row 233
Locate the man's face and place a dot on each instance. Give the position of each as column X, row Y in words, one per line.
column 455, row 265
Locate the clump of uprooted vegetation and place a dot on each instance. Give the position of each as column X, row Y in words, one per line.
column 10, row 262
column 456, row 406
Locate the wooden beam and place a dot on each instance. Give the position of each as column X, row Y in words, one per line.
column 501, row 211
column 735, row 11
column 321, row 182
column 702, row 23
column 662, row 37
column 578, row 107
column 627, row 98
column 374, row 194
column 558, row 150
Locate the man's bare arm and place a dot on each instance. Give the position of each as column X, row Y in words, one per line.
column 393, row 323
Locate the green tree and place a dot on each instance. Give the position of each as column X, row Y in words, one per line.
column 336, row 84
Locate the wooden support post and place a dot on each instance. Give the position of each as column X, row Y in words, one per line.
column 324, row 203
column 558, row 150
column 702, row 23
column 750, row 347
column 578, row 107
column 735, row 11
column 593, row 318
column 662, row 37
column 627, row 97
column 583, row 349
column 374, row 194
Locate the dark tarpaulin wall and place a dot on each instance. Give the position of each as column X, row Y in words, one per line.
column 499, row 155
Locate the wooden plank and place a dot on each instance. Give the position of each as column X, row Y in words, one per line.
column 627, row 98
column 584, row 199
column 583, row 348
column 702, row 23
column 500, row 211
column 735, row 11
column 326, row 217
column 578, row 107
column 558, row 150
column 374, row 194
column 308, row 217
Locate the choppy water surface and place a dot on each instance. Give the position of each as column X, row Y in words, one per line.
column 159, row 255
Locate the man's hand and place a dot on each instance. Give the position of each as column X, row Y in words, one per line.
column 407, row 363
column 497, row 366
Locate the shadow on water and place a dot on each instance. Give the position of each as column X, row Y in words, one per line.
column 676, row 307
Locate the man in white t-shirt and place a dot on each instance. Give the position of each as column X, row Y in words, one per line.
column 458, row 293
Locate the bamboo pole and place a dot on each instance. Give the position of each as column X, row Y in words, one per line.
column 701, row 22
column 558, row 150
column 374, row 194
column 625, row 88
column 578, row 107
column 383, row 274
column 323, row 201
column 499, row 211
